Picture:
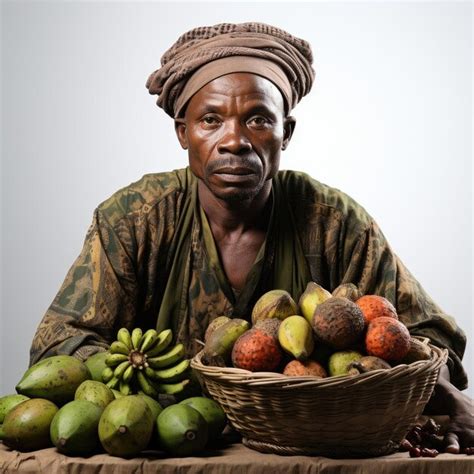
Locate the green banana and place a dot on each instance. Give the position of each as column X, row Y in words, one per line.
column 115, row 359
column 162, row 342
column 120, row 369
column 125, row 388
column 137, row 334
column 148, row 339
column 107, row 374
column 124, row 337
column 168, row 358
column 128, row 374
column 172, row 388
column 146, row 386
column 118, row 347
column 170, row 374
column 113, row 382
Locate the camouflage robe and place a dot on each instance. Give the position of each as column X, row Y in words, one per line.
column 149, row 260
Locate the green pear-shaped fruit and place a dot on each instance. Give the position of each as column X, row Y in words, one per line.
column 295, row 336
column 96, row 365
column 95, row 392
column 182, row 430
column 339, row 362
column 211, row 411
column 312, row 297
column 126, row 426
column 55, row 378
column 8, row 402
column 26, row 426
column 274, row 304
column 74, row 428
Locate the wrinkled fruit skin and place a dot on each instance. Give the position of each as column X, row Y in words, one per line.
column 269, row 326
column 367, row 364
column 418, row 351
column 308, row 367
column 338, row 322
column 274, row 304
column 374, row 306
column 388, row 339
column 256, row 351
column 347, row 290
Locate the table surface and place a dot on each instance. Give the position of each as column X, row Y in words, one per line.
column 232, row 458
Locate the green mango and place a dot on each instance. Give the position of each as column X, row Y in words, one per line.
column 74, row 428
column 8, row 402
column 96, row 365
column 126, row 426
column 95, row 392
column 26, row 426
column 55, row 378
column 211, row 411
column 182, row 430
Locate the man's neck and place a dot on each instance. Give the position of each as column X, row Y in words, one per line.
column 236, row 217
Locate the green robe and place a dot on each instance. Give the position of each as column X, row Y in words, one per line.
column 149, row 260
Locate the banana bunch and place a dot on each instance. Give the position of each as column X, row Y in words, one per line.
column 144, row 362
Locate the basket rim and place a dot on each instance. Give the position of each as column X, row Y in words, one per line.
column 273, row 379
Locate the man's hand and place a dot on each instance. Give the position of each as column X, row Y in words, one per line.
column 448, row 400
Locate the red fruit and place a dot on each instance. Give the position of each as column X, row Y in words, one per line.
column 256, row 351
column 374, row 306
column 309, row 367
column 387, row 338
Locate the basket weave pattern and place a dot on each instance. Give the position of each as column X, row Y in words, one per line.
column 358, row 416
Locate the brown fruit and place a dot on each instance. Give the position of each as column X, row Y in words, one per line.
column 274, row 304
column 418, row 351
column 347, row 290
column 374, row 306
column 338, row 322
column 367, row 364
column 308, row 367
column 387, row 338
column 269, row 326
column 256, row 351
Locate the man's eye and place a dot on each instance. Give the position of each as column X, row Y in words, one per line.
column 259, row 121
column 209, row 120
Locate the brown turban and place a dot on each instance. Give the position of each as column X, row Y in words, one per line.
column 207, row 52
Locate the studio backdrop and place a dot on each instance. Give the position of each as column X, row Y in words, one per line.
column 389, row 122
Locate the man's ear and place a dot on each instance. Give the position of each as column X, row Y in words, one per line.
column 288, row 129
column 180, row 129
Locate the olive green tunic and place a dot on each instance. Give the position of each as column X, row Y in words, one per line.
column 149, row 260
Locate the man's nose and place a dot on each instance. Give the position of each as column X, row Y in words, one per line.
column 234, row 140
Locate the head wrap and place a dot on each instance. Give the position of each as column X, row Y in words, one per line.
column 205, row 53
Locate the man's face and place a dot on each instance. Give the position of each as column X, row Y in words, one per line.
column 234, row 129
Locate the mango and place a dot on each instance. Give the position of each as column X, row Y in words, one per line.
column 126, row 426
column 26, row 426
column 96, row 365
column 95, row 392
column 347, row 290
column 312, row 297
column 8, row 402
column 274, row 304
column 295, row 336
column 182, row 430
column 211, row 411
column 339, row 362
column 74, row 428
column 55, row 378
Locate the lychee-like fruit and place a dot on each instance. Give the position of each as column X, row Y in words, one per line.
column 308, row 367
column 256, row 351
column 374, row 306
column 387, row 338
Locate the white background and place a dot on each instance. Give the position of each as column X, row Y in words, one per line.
column 389, row 121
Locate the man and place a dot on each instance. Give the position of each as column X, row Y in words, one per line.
column 178, row 249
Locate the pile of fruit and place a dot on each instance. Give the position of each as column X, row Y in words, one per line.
column 75, row 406
column 338, row 334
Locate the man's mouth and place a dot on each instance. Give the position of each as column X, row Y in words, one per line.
column 235, row 171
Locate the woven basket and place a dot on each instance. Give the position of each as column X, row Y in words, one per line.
column 357, row 416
